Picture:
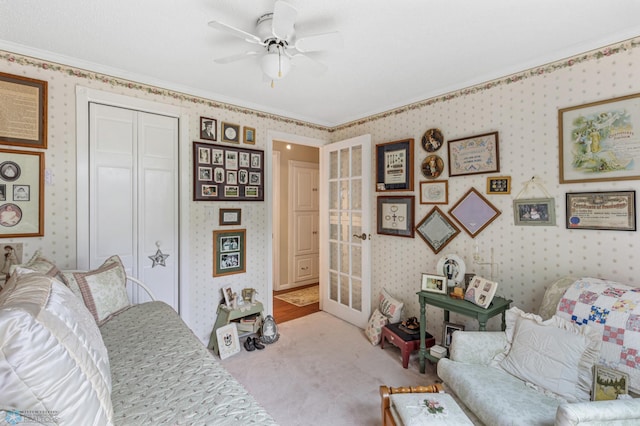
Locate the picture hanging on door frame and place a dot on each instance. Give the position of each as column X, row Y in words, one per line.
column 223, row 173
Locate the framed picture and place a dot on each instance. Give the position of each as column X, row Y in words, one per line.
column 230, row 216
column 434, row 192
column 612, row 211
column 249, row 135
column 21, row 193
column 395, row 216
column 474, row 155
column 437, row 230
column 226, row 173
column 230, row 132
column 447, row 332
column 26, row 98
column 481, row 291
column 229, row 252
column 208, row 128
column 534, row 212
column 228, row 341
column 597, row 142
column 499, row 185
column 434, row 283
column 432, row 140
column 394, row 166
column 432, row 167
column 608, row 383
column 12, row 256
column 474, row 212
column 227, row 293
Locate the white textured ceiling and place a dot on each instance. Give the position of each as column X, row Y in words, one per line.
column 395, row 51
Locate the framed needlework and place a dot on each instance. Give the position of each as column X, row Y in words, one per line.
column 474, row 155
column 396, row 216
column 474, row 212
column 21, row 193
column 228, row 340
column 434, row 192
column 437, row 230
column 229, row 251
column 227, row 173
column 26, row 98
column 394, row 166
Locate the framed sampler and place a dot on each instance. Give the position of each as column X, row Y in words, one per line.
column 474, row 155
column 394, row 166
column 227, row 173
column 396, row 216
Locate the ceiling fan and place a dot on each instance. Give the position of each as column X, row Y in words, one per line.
column 276, row 33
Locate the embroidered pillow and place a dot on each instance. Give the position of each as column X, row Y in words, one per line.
column 374, row 328
column 104, row 289
column 390, row 307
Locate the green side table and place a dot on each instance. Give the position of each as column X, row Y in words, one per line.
column 499, row 305
column 225, row 315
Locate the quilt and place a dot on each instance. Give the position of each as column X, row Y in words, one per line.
column 614, row 309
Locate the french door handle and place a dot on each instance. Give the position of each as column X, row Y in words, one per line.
column 363, row 237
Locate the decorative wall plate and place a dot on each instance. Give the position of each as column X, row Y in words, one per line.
column 432, row 140
column 432, row 167
column 453, row 267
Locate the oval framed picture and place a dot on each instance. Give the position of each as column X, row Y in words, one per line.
column 269, row 330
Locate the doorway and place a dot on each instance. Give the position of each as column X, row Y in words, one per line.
column 295, row 230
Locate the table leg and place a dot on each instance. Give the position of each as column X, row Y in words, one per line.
column 504, row 321
column 483, row 325
column 423, row 329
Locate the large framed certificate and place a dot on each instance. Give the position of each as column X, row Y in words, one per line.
column 613, row 211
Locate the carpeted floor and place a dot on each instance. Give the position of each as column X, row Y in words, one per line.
column 303, row 297
column 323, row 371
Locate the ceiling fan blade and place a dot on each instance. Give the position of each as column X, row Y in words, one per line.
column 235, row 32
column 314, row 67
column 233, row 58
column 284, row 17
column 319, row 42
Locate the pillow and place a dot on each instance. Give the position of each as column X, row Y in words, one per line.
column 390, row 307
column 37, row 263
column 556, row 355
column 553, row 295
column 52, row 357
column 374, row 327
column 104, row 289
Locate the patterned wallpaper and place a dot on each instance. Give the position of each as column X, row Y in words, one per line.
column 525, row 113
column 522, row 108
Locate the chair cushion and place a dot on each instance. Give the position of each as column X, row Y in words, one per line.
column 52, row 357
column 390, row 307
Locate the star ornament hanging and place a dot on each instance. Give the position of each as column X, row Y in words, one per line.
column 158, row 259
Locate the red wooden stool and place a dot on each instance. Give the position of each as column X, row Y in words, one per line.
column 407, row 342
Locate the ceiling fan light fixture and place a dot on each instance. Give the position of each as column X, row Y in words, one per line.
column 275, row 64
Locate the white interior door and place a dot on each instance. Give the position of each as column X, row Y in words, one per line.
column 345, row 209
column 133, row 195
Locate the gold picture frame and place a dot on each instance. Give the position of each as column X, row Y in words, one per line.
column 229, row 252
column 249, row 135
column 22, row 187
column 230, row 132
column 499, row 185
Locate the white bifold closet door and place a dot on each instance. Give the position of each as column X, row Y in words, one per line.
column 133, row 195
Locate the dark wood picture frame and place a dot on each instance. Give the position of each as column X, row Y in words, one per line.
column 29, row 97
column 227, row 173
column 394, row 166
column 396, row 215
column 474, row 212
column 206, row 134
column 437, row 230
column 230, row 217
column 22, row 216
column 230, row 132
column 474, row 155
column 601, row 210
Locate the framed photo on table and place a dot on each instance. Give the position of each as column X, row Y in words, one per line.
column 474, row 212
column 597, row 141
column 437, row 230
column 434, row 283
column 229, row 252
column 396, row 216
column 21, row 193
column 474, row 155
column 394, row 166
column 611, row 211
column 26, row 98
